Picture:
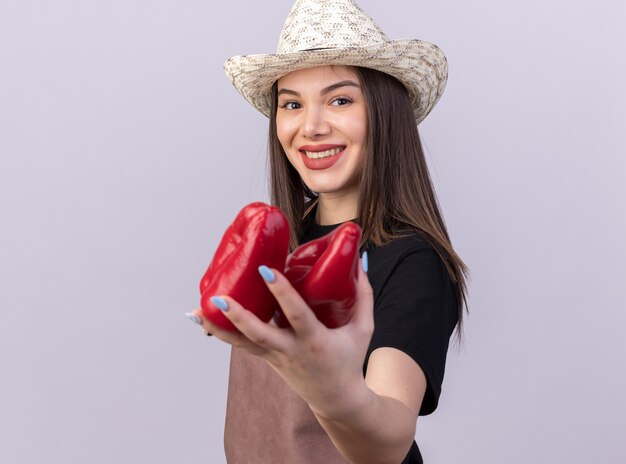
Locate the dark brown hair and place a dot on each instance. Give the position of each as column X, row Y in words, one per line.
column 396, row 192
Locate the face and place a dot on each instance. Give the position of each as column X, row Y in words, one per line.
column 321, row 123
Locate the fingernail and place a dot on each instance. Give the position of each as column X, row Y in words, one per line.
column 193, row 318
column 364, row 262
column 220, row 303
column 267, row 274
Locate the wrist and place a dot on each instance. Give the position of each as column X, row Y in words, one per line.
column 351, row 401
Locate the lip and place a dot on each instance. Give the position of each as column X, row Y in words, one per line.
column 320, row 163
column 316, row 148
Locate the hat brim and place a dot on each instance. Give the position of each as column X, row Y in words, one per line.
column 420, row 65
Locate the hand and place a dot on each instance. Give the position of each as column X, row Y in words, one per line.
column 324, row 366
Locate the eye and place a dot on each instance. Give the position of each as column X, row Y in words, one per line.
column 290, row 105
column 341, row 101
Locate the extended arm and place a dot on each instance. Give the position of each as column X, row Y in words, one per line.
column 381, row 427
column 368, row 420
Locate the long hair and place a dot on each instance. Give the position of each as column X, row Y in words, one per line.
column 396, row 192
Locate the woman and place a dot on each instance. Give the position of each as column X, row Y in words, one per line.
column 343, row 103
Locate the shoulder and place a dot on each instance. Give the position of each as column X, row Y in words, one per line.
column 410, row 240
column 408, row 263
column 408, row 245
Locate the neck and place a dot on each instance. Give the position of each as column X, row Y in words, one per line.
column 333, row 209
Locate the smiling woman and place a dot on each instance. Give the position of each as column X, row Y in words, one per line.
column 343, row 104
column 321, row 122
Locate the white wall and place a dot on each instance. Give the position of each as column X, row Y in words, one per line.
column 125, row 152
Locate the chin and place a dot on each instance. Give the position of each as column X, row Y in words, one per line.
column 330, row 183
column 329, row 189
column 323, row 187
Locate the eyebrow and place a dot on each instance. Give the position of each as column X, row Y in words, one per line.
column 330, row 88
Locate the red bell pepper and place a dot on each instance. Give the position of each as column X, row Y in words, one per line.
column 258, row 235
column 325, row 272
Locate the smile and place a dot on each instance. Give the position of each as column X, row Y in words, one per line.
column 323, row 154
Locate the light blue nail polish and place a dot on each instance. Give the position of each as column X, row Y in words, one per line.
column 193, row 318
column 364, row 261
column 267, row 274
column 220, row 303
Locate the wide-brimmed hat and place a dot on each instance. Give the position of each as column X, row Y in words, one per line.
column 339, row 32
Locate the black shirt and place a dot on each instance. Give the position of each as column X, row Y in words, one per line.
column 415, row 308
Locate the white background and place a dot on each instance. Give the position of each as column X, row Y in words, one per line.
column 125, row 152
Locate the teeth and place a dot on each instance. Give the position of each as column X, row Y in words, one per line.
column 323, row 154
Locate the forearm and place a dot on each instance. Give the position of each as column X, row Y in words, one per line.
column 379, row 431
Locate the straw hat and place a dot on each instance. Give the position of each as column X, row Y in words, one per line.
column 326, row 32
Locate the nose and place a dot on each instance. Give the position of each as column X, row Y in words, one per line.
column 315, row 123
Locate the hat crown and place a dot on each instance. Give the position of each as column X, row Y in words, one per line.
column 323, row 24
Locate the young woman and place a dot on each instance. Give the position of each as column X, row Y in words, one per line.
column 344, row 103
